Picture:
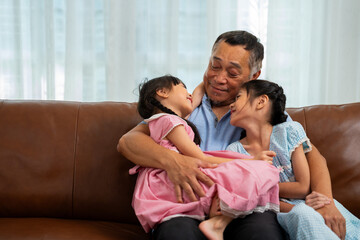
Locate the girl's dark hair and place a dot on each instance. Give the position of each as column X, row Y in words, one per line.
column 148, row 104
column 275, row 93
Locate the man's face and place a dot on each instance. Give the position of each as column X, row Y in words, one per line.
column 228, row 69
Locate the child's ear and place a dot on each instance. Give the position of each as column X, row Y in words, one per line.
column 262, row 101
column 163, row 92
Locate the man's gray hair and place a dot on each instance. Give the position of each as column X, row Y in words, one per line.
column 250, row 42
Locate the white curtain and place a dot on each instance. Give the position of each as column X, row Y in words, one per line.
column 100, row 50
column 313, row 50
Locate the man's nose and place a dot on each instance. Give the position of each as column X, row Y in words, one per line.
column 221, row 77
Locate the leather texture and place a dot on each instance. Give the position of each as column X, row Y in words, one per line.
column 62, row 178
column 335, row 131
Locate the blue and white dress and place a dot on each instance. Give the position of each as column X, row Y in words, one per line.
column 302, row 222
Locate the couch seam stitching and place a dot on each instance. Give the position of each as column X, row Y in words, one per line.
column 74, row 161
column 305, row 120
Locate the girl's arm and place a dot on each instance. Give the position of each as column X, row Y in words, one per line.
column 285, row 207
column 301, row 187
column 179, row 137
column 197, row 95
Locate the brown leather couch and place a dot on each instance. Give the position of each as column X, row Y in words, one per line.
column 62, row 178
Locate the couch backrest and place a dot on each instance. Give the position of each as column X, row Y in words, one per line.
column 335, row 131
column 59, row 159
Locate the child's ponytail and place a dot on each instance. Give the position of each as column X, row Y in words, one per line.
column 278, row 106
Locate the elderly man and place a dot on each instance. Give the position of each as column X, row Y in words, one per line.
column 236, row 58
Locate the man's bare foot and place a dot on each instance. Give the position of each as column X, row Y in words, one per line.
column 213, row 228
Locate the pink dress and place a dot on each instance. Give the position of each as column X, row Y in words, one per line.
column 243, row 186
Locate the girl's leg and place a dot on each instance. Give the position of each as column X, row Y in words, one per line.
column 352, row 222
column 214, row 227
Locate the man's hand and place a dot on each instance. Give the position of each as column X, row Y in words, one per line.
column 317, row 200
column 332, row 216
column 334, row 220
column 182, row 171
column 185, row 174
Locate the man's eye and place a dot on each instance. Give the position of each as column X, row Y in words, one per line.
column 237, row 97
column 215, row 67
column 233, row 74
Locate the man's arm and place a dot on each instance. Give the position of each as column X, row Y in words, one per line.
column 320, row 182
column 183, row 171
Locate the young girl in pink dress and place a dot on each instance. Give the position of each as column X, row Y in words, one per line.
column 241, row 186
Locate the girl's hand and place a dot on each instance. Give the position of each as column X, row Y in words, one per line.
column 317, row 200
column 265, row 156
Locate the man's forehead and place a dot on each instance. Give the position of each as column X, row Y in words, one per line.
column 223, row 44
column 235, row 64
column 236, row 55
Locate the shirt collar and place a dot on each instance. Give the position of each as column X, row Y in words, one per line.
column 207, row 104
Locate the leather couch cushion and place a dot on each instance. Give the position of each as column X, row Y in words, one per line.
column 59, row 159
column 60, row 229
column 335, row 131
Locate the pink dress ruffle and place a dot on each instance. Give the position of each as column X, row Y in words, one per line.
column 243, row 187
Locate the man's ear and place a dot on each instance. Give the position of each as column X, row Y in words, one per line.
column 262, row 101
column 163, row 92
column 255, row 75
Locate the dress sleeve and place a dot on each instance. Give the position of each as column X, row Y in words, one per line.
column 232, row 147
column 288, row 119
column 296, row 136
column 237, row 147
column 162, row 126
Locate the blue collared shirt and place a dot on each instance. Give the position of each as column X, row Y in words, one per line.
column 215, row 134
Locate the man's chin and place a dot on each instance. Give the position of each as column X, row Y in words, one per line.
column 220, row 103
column 218, row 99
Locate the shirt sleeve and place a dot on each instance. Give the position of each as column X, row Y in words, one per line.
column 162, row 126
column 296, row 136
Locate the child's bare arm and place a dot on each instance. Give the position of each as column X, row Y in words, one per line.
column 285, row 207
column 179, row 137
column 197, row 95
column 301, row 187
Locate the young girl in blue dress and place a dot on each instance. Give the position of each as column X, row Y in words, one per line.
column 260, row 110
